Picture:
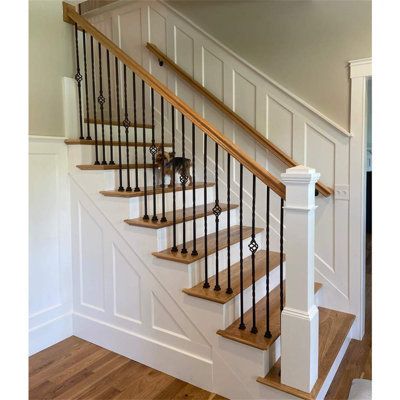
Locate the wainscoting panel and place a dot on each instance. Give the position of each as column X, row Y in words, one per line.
column 50, row 292
column 300, row 130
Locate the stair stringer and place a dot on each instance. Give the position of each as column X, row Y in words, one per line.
column 196, row 347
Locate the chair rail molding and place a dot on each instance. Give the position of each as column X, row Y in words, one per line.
column 360, row 72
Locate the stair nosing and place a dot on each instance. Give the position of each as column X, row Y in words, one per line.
column 168, row 189
column 139, row 222
column 226, row 297
column 184, row 259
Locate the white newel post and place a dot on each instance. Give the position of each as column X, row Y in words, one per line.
column 299, row 330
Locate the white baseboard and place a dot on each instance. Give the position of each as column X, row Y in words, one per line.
column 49, row 333
column 160, row 356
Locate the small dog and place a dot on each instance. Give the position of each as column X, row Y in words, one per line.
column 182, row 166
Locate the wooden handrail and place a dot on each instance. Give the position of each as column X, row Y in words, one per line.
column 267, row 144
column 71, row 16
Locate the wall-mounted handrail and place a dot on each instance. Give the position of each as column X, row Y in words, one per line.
column 256, row 135
column 72, row 16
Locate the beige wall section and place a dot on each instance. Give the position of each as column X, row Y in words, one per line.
column 50, row 58
column 304, row 45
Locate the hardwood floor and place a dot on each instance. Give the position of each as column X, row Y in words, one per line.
column 357, row 362
column 77, row 369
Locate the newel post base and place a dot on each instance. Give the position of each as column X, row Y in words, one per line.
column 299, row 323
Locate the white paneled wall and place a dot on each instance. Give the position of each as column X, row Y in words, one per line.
column 50, row 291
column 301, row 131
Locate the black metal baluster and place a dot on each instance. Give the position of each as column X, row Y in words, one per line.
column 281, row 256
column 206, row 284
column 194, row 251
column 174, row 247
column 137, row 189
column 94, row 103
column 217, row 212
column 228, row 197
column 241, row 325
column 121, row 188
column 78, row 78
column 253, row 247
column 267, row 238
column 86, row 89
column 127, row 124
column 183, row 180
column 145, row 216
column 101, row 99
column 153, row 151
column 110, row 108
column 163, row 218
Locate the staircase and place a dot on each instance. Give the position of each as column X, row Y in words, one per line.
column 260, row 291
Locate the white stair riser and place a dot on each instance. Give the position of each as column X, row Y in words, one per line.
column 137, row 203
column 165, row 235
column 196, row 269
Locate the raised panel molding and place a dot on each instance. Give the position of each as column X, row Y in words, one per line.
column 280, row 125
column 163, row 320
column 126, row 288
column 91, row 261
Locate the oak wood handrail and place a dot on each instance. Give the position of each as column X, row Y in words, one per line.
column 256, row 135
column 71, row 16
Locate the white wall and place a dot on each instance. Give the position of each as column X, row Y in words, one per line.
column 50, row 280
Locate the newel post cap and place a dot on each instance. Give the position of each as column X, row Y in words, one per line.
column 300, row 174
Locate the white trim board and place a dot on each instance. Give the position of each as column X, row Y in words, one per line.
column 360, row 72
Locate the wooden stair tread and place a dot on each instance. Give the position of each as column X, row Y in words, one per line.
column 258, row 340
column 199, row 213
column 150, row 189
column 223, row 243
column 108, row 143
column 97, row 121
column 92, row 167
column 221, row 296
column 334, row 327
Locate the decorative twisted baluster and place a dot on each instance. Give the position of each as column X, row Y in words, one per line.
column 217, row 212
column 78, row 78
column 183, row 179
column 253, row 247
column 153, row 151
column 127, row 124
column 101, row 99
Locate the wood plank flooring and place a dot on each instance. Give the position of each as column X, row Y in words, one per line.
column 76, row 369
column 357, row 362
